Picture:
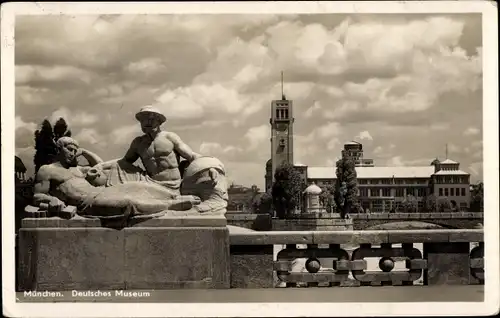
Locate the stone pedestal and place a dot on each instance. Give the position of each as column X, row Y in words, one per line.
column 164, row 253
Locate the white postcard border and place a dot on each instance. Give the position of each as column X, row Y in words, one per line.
column 491, row 302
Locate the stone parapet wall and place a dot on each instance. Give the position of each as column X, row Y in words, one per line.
column 446, row 258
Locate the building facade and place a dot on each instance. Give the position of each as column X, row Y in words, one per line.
column 381, row 189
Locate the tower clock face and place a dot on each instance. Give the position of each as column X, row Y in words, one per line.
column 282, row 127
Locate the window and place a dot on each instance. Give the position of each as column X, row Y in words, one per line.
column 386, row 192
column 362, row 181
column 421, row 192
column 446, row 192
column 410, row 191
column 363, row 192
column 386, row 181
column 463, row 192
column 277, row 113
column 286, row 113
column 440, row 192
column 457, row 191
column 399, row 181
column 452, row 192
column 400, row 192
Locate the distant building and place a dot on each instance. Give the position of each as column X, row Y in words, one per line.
column 241, row 198
column 381, row 189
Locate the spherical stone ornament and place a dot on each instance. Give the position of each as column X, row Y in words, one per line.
column 386, row 264
column 313, row 265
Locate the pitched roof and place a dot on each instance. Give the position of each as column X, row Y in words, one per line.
column 374, row 172
column 451, row 172
column 352, row 142
column 448, row 161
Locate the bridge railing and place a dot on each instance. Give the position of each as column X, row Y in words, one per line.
column 339, row 258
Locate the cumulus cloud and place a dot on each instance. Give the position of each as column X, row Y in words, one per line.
column 365, row 135
column 216, row 149
column 74, row 118
column 88, row 136
column 214, row 77
column 378, row 150
column 471, row 131
column 20, row 124
column 258, row 136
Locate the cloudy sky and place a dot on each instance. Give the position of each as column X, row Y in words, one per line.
column 403, row 85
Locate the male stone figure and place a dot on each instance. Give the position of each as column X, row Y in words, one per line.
column 64, row 182
column 159, row 150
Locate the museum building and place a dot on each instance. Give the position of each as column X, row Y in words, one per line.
column 381, row 188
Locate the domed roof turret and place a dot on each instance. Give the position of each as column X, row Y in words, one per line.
column 313, row 189
column 435, row 162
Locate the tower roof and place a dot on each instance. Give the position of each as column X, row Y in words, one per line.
column 448, row 161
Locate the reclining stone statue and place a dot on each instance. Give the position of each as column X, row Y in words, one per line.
column 118, row 188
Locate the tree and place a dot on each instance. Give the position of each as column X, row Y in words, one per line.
column 410, row 204
column 262, row 203
column 45, row 141
column 443, row 204
column 431, row 203
column 346, row 190
column 327, row 199
column 44, row 145
column 287, row 189
column 477, row 197
column 61, row 129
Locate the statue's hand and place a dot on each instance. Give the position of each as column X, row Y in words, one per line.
column 56, row 204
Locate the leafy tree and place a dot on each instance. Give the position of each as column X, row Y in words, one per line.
column 410, row 204
column 327, row 199
column 346, row 173
column 262, row 203
column 45, row 141
column 287, row 189
column 443, row 204
column 477, row 197
column 45, row 146
column 431, row 203
column 61, row 129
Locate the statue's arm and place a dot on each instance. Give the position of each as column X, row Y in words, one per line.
column 131, row 155
column 42, row 187
column 184, row 150
column 91, row 157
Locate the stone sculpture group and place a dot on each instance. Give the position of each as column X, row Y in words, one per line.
column 176, row 181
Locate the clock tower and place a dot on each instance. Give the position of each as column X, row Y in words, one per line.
column 281, row 121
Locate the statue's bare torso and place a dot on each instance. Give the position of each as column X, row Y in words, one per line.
column 158, row 155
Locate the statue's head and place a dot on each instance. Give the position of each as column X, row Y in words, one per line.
column 150, row 119
column 68, row 150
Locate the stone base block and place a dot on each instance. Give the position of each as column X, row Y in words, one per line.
column 70, row 258
column 58, row 255
column 172, row 258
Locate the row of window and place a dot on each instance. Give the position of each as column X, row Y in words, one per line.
column 386, row 192
column 459, row 192
column 392, row 181
column 281, row 113
column 451, row 179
